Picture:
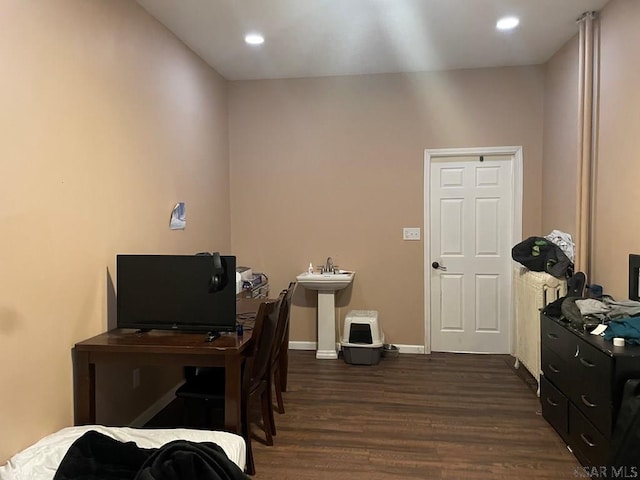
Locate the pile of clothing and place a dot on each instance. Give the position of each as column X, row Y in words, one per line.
column 621, row 317
column 554, row 254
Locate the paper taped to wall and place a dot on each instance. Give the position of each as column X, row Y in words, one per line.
column 178, row 217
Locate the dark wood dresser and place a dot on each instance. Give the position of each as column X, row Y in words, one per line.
column 581, row 387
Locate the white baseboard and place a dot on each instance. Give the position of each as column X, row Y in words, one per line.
column 314, row 345
column 155, row 408
column 303, row 345
column 410, row 348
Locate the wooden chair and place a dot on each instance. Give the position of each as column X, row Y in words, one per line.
column 208, row 387
column 279, row 358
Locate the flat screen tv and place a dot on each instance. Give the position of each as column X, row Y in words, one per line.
column 176, row 292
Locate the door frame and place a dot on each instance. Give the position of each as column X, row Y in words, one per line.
column 516, row 220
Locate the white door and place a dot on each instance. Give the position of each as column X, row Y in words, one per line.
column 470, row 240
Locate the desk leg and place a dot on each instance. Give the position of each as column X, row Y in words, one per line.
column 233, row 393
column 85, row 390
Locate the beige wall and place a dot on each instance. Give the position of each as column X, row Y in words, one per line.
column 107, row 120
column 334, row 167
column 559, row 180
column 617, row 223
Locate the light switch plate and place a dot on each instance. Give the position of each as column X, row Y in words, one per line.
column 411, row 233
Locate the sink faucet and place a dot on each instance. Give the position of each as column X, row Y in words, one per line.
column 329, row 265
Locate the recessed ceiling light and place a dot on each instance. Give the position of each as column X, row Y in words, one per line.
column 254, row 39
column 507, row 23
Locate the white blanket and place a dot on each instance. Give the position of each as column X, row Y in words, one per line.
column 40, row 461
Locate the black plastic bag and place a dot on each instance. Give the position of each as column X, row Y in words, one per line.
column 541, row 255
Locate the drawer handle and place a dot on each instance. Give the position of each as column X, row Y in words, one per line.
column 586, row 401
column 587, row 363
column 586, row 440
column 551, row 402
column 554, row 336
column 554, row 369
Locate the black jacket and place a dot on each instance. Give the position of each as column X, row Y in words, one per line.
column 95, row 456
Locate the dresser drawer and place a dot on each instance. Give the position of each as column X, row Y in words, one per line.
column 591, row 386
column 588, row 444
column 594, row 362
column 555, row 369
column 556, row 338
column 555, row 408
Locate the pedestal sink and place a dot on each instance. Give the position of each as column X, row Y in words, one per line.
column 326, row 284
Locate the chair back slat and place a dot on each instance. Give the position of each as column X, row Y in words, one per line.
column 283, row 321
column 263, row 335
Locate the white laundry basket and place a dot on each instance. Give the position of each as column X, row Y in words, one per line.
column 362, row 339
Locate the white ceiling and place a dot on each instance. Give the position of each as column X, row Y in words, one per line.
column 310, row 38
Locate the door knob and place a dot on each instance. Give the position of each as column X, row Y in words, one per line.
column 437, row 266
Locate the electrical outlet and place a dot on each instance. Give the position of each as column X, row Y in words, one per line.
column 136, row 377
column 412, row 233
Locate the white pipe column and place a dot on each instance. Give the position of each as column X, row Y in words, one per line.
column 326, row 325
column 587, row 70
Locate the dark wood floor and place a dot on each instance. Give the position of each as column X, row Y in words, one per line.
column 439, row 416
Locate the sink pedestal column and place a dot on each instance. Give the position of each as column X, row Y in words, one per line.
column 326, row 325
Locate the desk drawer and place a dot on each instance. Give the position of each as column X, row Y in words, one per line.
column 555, row 407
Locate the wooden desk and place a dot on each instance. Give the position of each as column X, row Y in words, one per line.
column 158, row 347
